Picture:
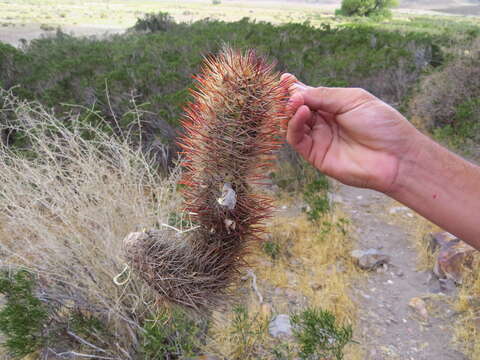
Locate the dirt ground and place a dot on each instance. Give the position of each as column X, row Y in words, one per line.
column 16, row 34
column 388, row 328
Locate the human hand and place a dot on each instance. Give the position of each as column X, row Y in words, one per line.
column 349, row 134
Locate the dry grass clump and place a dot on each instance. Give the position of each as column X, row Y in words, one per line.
column 467, row 330
column 65, row 205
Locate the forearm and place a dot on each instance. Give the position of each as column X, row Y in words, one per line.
column 441, row 187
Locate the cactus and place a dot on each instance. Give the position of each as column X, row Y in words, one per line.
column 231, row 129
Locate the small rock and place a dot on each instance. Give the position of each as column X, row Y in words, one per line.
column 398, row 209
column 291, row 295
column 419, row 306
column 280, row 326
column 370, row 259
column 454, row 256
column 447, row 286
column 204, row 357
column 316, row 286
column 438, row 240
column 278, row 291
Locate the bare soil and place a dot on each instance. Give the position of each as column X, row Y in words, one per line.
column 388, row 328
column 16, row 34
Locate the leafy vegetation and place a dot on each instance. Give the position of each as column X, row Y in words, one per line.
column 367, row 7
column 149, row 74
column 245, row 333
column 447, row 101
column 154, row 22
column 464, row 130
column 171, row 335
column 271, row 248
column 23, row 316
column 319, row 336
column 316, row 197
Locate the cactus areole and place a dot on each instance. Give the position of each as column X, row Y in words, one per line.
column 231, row 129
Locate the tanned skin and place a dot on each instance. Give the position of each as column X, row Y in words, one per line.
column 351, row 135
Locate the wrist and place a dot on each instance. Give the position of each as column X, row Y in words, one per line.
column 411, row 164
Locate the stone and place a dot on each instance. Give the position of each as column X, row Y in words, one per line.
column 315, row 286
column 447, row 286
column 280, row 326
column 419, row 307
column 453, row 257
column 438, row 240
column 398, row 209
column 204, row 357
column 370, row 259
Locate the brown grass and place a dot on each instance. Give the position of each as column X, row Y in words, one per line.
column 65, row 208
column 467, row 330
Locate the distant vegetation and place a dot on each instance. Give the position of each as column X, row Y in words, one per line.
column 367, row 7
column 149, row 73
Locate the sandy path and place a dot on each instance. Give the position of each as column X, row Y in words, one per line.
column 13, row 34
column 388, row 328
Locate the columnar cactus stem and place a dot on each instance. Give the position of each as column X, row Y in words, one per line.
column 231, row 129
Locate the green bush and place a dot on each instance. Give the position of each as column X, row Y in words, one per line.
column 463, row 133
column 319, row 336
column 149, row 74
column 171, row 335
column 160, row 21
column 23, row 316
column 271, row 248
column 367, row 7
column 316, row 197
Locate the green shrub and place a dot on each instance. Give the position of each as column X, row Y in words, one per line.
column 246, row 332
column 271, row 248
column 367, row 7
column 319, row 336
column 447, row 102
column 149, row 74
column 23, row 315
column 160, row 21
column 464, row 131
column 171, row 335
column 316, row 197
